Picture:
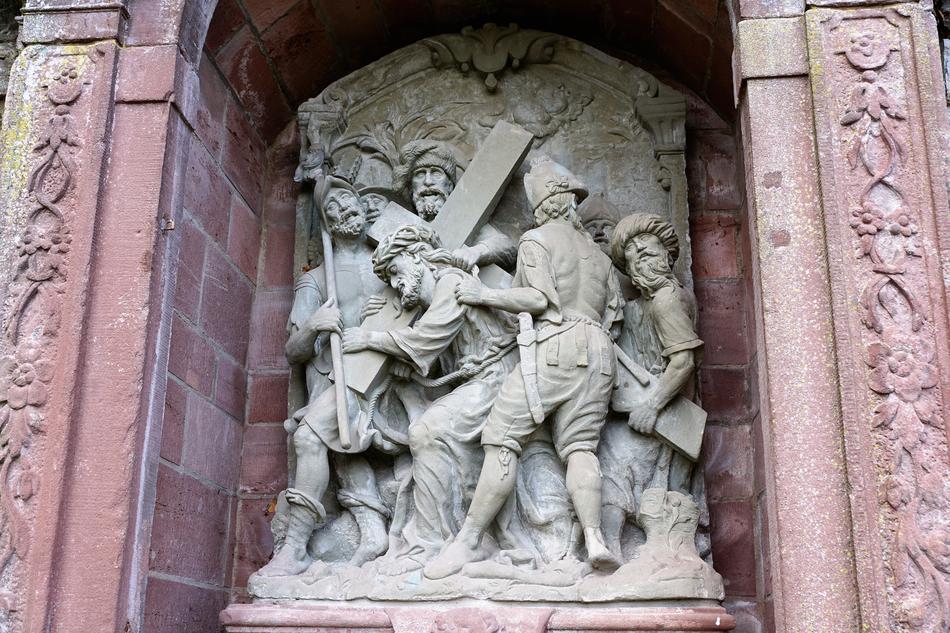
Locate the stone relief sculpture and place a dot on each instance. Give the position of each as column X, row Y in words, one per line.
column 518, row 335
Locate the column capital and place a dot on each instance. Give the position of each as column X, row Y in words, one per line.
column 65, row 21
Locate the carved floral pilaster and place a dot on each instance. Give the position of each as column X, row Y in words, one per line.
column 872, row 75
column 46, row 147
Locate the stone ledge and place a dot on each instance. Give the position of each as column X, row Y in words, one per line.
column 773, row 47
column 82, row 21
column 477, row 616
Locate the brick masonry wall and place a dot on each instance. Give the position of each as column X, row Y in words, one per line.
column 723, row 283
column 219, row 233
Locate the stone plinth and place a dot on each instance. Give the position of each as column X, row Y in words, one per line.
column 474, row 617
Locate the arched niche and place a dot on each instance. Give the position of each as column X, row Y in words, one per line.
column 613, row 124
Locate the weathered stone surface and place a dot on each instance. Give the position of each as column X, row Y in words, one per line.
column 875, row 107
column 759, row 57
column 253, row 618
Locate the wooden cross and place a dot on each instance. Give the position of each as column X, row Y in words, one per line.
column 467, row 208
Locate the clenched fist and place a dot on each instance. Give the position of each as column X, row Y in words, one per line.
column 470, row 292
column 327, row 318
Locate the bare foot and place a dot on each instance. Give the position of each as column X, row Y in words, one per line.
column 452, row 559
column 598, row 554
column 288, row 561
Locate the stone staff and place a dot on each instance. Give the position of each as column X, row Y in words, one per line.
column 336, row 347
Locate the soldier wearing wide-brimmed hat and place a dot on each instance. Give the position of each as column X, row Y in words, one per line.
column 567, row 366
column 645, row 247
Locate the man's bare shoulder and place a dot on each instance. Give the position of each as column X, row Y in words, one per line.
column 312, row 278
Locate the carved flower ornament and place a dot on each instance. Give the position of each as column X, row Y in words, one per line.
column 22, row 378
column 46, row 250
column 898, row 371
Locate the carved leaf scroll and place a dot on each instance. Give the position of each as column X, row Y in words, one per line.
column 491, row 50
column 906, row 422
column 32, row 311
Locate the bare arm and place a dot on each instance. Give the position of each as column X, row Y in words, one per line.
column 312, row 335
column 300, row 346
column 508, row 299
column 356, row 339
column 671, row 381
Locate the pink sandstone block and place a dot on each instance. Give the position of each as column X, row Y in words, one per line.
column 713, row 239
column 230, row 386
column 269, row 329
column 297, row 37
column 228, row 18
column 175, row 607
column 713, row 171
column 244, row 238
column 212, row 447
column 727, row 452
column 264, row 459
column 254, row 540
column 243, row 154
column 190, row 357
column 267, row 397
column 265, row 12
column 243, row 63
column 212, row 99
column 189, row 530
column 191, row 262
column 731, row 530
column 158, row 84
column 278, row 256
column 207, row 195
column 722, row 322
column 226, row 304
column 726, row 393
column 173, row 421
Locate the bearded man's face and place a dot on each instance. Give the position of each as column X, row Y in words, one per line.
column 406, row 273
column 345, row 215
column 648, row 262
column 431, row 187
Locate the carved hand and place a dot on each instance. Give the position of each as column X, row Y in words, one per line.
column 401, row 371
column 470, row 292
column 356, row 340
column 643, row 418
column 470, row 255
column 373, row 305
column 326, row 319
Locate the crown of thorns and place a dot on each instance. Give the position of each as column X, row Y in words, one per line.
column 411, row 238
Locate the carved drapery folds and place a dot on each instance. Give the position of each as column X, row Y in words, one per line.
column 874, row 151
column 31, row 315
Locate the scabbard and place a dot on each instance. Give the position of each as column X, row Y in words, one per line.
column 528, row 350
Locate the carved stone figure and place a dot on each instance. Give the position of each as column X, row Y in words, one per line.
column 314, row 427
column 546, row 465
column 565, row 281
column 427, row 174
column 480, row 342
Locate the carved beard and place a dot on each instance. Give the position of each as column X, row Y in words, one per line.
column 651, row 274
column 350, row 224
column 410, row 293
column 428, row 201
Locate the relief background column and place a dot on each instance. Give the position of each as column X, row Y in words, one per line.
column 812, row 580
